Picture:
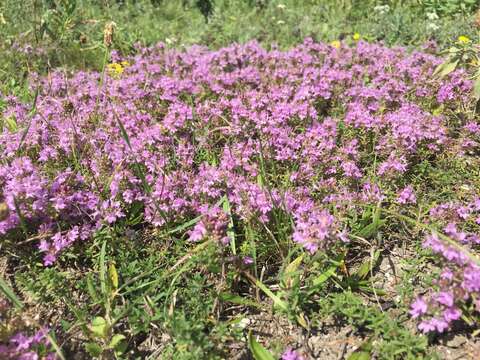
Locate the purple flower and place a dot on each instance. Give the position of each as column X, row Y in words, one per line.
column 407, row 196
column 22, row 342
column 247, row 260
column 426, row 326
column 440, row 324
column 291, row 354
column 445, row 298
column 313, row 230
column 450, row 314
column 418, row 308
column 198, row 232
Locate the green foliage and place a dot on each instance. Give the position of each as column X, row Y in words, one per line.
column 450, row 7
column 124, row 289
column 388, row 337
column 463, row 54
column 258, row 351
column 41, row 34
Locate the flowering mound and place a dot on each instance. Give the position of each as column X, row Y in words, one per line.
column 299, row 139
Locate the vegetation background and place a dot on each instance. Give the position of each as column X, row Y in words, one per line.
column 37, row 36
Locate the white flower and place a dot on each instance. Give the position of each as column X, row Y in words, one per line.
column 431, row 26
column 432, row 16
column 381, row 9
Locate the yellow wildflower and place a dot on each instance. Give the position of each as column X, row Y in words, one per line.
column 125, row 64
column 462, row 39
column 115, row 69
column 356, row 36
column 336, row 44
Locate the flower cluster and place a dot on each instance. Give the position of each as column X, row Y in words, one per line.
column 457, row 288
column 24, row 347
column 307, row 133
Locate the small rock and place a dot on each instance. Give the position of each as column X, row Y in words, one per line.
column 456, row 342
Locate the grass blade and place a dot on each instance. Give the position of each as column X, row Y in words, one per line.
column 258, row 351
column 103, row 271
column 276, row 300
column 237, row 299
column 8, row 292
column 230, row 227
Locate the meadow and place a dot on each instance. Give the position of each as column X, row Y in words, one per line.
column 240, row 179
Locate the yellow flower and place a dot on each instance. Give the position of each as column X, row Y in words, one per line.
column 125, row 64
column 356, row 36
column 336, row 44
column 463, row 39
column 115, row 69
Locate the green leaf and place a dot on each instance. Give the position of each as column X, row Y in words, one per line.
column 301, row 320
column 103, row 271
column 124, row 133
column 258, row 351
column 293, row 266
column 186, row 225
column 236, row 299
column 113, row 276
column 53, row 342
column 363, row 352
column 368, row 265
column 279, row 303
column 11, row 124
column 290, row 272
column 372, row 228
column 438, row 111
column 99, row 327
column 368, row 288
column 93, row 349
column 337, row 261
column 91, row 288
column 446, row 68
column 120, row 348
column 476, row 88
column 9, row 294
column 361, row 355
column 230, row 227
column 115, row 340
column 260, row 180
column 325, row 275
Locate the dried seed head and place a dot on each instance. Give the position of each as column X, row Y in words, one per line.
column 108, row 32
column 3, row 211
